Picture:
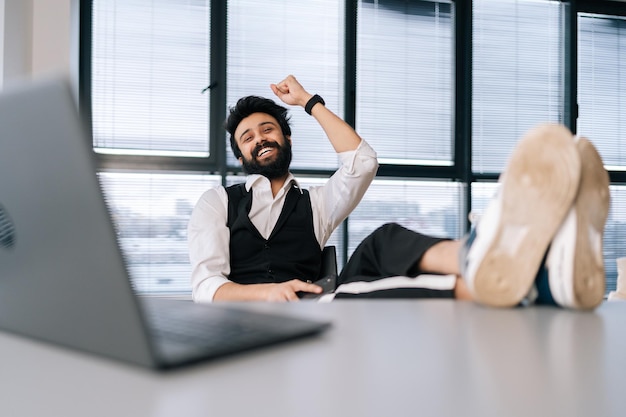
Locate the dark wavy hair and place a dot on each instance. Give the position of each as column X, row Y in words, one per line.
column 254, row 104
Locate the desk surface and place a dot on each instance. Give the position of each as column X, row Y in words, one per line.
column 380, row 358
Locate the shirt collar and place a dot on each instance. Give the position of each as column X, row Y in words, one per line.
column 254, row 179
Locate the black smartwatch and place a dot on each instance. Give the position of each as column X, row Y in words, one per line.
column 312, row 102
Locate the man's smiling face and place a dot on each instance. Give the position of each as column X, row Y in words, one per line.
column 264, row 148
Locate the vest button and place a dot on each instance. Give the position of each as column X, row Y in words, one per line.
column 266, row 246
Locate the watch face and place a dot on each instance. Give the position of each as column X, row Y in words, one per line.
column 7, row 230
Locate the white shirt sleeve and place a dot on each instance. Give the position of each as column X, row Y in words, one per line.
column 208, row 238
column 335, row 200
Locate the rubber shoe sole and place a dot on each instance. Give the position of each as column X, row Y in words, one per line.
column 575, row 262
column 538, row 188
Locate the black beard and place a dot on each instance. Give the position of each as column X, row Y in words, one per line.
column 275, row 169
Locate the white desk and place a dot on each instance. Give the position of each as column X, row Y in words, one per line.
column 380, row 358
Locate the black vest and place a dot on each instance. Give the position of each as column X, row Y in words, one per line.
column 291, row 251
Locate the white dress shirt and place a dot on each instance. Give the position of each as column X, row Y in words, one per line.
column 209, row 236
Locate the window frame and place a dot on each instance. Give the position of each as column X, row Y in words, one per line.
column 461, row 168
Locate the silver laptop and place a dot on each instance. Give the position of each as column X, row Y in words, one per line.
column 62, row 275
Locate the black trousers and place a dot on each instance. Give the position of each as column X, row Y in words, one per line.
column 391, row 250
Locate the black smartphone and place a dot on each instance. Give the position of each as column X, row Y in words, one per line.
column 328, row 284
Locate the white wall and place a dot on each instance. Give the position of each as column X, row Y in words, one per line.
column 51, row 36
column 34, row 38
column 17, row 42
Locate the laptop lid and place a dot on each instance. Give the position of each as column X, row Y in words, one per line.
column 62, row 275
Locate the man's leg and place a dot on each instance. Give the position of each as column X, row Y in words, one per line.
column 444, row 258
column 380, row 265
column 441, row 258
column 391, row 250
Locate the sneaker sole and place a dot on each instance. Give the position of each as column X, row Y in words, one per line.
column 592, row 210
column 539, row 186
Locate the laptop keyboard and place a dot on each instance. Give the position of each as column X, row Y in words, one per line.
column 204, row 331
column 183, row 328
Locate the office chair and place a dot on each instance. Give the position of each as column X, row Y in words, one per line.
column 329, row 261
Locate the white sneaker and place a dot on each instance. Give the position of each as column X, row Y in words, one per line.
column 538, row 187
column 575, row 263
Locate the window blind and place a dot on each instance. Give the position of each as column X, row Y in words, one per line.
column 405, row 64
column 267, row 41
column 601, row 102
column 517, row 78
column 150, row 63
column 602, row 85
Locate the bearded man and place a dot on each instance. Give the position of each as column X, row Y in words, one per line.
column 263, row 239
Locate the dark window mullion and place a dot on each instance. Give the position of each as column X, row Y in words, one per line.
column 463, row 102
column 218, row 65
column 349, row 91
column 570, row 68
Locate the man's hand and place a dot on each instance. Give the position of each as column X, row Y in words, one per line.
column 291, row 92
column 341, row 135
column 285, row 291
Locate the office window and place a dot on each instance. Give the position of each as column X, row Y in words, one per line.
column 149, row 67
column 404, row 100
column 268, row 41
column 150, row 62
column 404, row 109
column 429, row 207
column 602, row 85
column 151, row 212
column 601, row 92
column 517, row 74
column 482, row 193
